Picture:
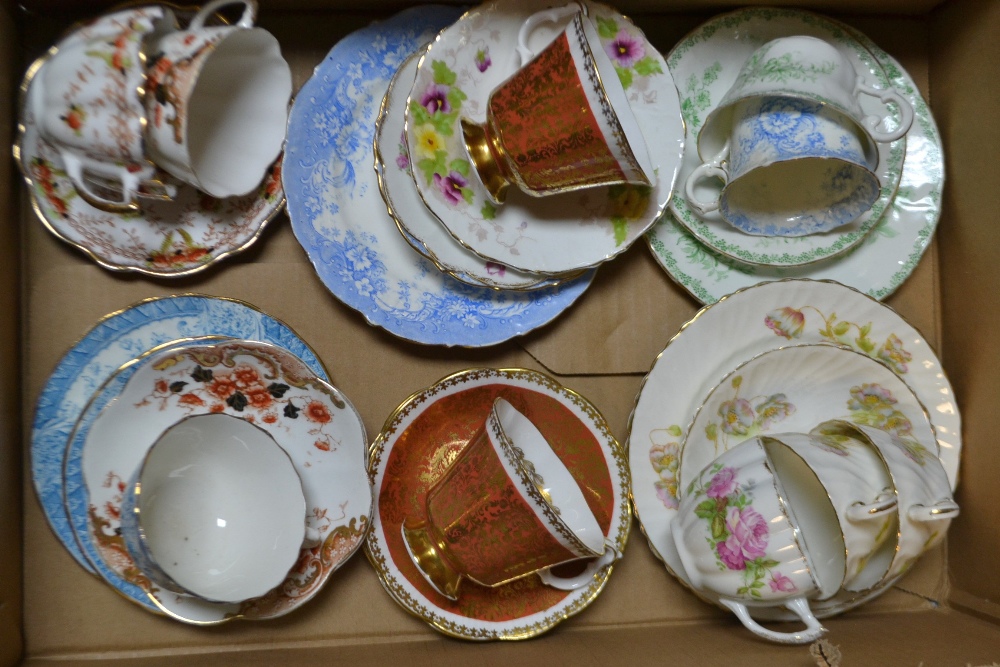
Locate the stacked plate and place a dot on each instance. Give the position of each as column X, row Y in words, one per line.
column 382, row 198
column 877, row 251
column 146, row 368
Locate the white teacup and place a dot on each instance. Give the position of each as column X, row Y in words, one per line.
column 215, row 510
column 86, row 101
column 742, row 530
column 217, row 102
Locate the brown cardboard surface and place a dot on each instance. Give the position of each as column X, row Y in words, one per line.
column 600, row 348
column 967, row 95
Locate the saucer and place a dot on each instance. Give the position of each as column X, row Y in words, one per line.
column 791, row 390
column 768, row 316
column 877, row 265
column 116, row 339
column 466, row 62
column 706, row 64
column 418, row 443
column 419, row 227
column 342, row 223
column 166, row 238
column 259, row 382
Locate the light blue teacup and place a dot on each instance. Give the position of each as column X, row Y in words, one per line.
column 791, row 167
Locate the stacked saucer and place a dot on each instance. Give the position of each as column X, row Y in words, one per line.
column 160, row 367
column 875, row 252
column 388, row 201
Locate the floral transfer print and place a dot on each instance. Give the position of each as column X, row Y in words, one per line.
column 664, row 456
column 871, row 404
column 790, row 323
column 482, row 59
column 627, row 52
column 737, row 532
column 742, row 418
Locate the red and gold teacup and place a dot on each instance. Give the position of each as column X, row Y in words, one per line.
column 505, row 509
column 562, row 122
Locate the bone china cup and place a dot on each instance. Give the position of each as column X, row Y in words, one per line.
column 87, row 104
column 758, row 535
column 506, row 508
column 217, row 102
column 216, row 510
column 560, row 123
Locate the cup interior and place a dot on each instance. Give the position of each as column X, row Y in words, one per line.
column 238, row 111
column 221, row 508
column 813, row 515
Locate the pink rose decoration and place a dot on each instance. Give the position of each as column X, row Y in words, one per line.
column 722, row 484
column 781, row 584
column 747, row 537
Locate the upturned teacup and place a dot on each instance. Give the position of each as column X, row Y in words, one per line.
column 215, row 511
column 742, row 530
column 506, row 508
column 562, row 122
column 217, row 102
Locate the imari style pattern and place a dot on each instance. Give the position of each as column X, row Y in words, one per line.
column 114, row 341
column 879, row 263
column 417, row 445
column 264, row 385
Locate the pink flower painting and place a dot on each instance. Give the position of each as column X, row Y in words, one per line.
column 747, row 537
column 786, row 322
column 722, row 484
column 451, row 186
column 435, row 99
column 625, row 50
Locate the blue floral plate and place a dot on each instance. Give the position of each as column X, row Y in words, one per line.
column 115, row 340
column 341, row 220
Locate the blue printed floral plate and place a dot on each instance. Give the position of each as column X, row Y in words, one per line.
column 342, row 223
column 115, row 340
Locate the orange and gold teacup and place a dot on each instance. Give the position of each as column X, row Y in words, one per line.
column 506, row 508
column 562, row 122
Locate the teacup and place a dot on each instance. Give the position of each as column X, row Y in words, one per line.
column 215, row 511
column 742, row 530
column 791, row 167
column 217, row 102
column 562, row 122
column 87, row 103
column 858, row 485
column 506, row 508
column 926, row 505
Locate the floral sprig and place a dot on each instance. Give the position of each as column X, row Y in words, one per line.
column 746, row 418
column 627, row 52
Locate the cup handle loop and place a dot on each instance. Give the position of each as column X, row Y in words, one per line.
column 885, row 96
column 545, row 16
column 799, row 606
column 710, row 169
column 610, row 555
column 945, row 509
column 874, row 510
column 246, row 20
column 129, row 202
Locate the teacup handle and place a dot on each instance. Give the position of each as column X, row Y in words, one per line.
column 712, row 169
column 797, row 605
column 886, row 95
column 545, row 16
column 246, row 21
column 945, row 509
column 610, row 555
column 874, row 510
column 129, row 202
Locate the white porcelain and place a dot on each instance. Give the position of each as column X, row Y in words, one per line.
column 790, row 167
column 215, row 510
column 88, row 105
column 857, row 483
column 757, row 537
column 217, row 102
column 476, row 54
column 926, row 504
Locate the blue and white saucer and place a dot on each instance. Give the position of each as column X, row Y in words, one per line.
column 339, row 218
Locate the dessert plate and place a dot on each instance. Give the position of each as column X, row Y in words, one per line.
column 341, row 221
column 454, row 79
column 791, row 390
column 259, row 382
column 418, row 225
column 417, row 444
column 166, row 238
column 706, row 63
column 768, row 316
column 877, row 265
column 116, row 339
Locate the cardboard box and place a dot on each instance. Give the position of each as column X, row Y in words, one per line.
column 945, row 612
